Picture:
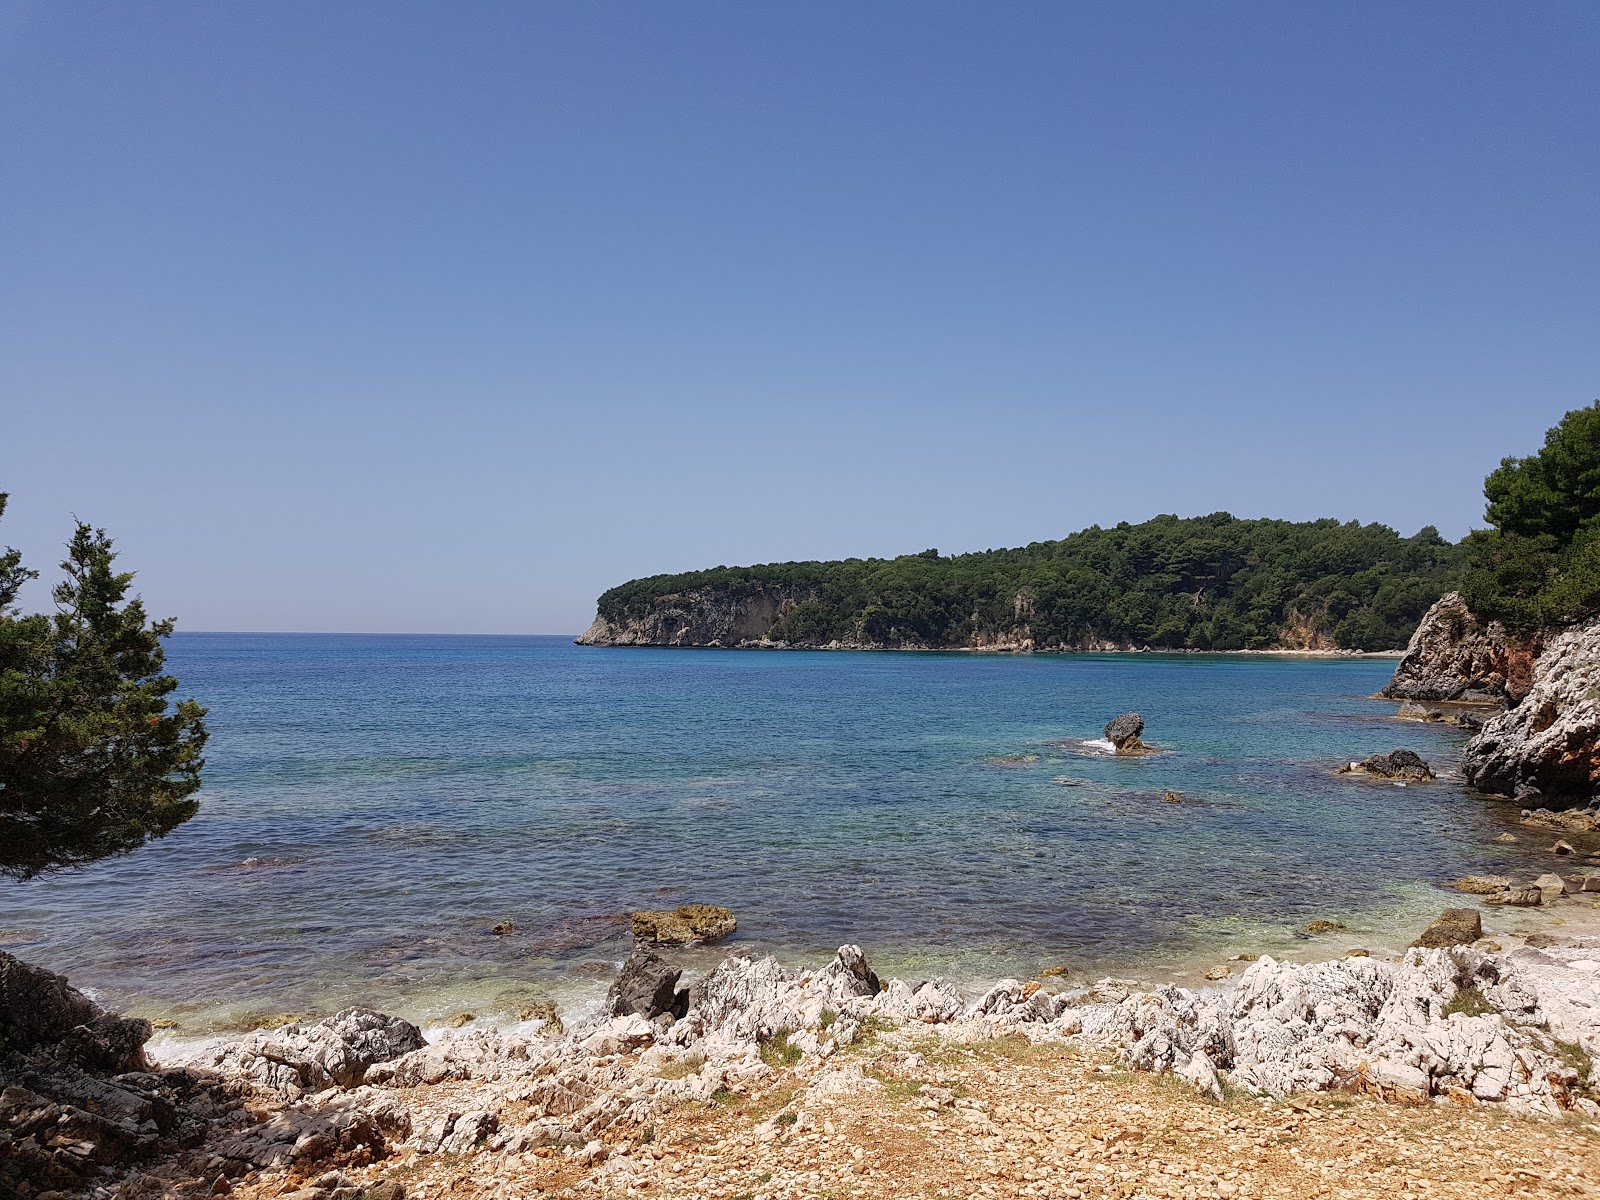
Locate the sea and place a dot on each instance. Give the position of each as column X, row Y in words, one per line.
column 376, row 806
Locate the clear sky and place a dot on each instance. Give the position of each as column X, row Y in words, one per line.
column 445, row 317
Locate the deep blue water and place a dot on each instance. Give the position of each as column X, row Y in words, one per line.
column 407, row 793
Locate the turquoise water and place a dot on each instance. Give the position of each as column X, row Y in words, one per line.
column 374, row 805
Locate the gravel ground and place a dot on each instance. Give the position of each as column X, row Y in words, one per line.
column 916, row 1115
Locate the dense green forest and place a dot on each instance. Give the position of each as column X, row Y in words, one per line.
column 1201, row 583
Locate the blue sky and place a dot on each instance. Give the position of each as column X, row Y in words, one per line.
column 446, row 317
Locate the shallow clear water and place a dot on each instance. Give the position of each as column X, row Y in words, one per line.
column 404, row 794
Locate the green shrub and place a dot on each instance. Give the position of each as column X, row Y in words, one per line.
column 1469, row 1001
column 777, row 1051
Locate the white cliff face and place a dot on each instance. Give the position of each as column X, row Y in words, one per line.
column 1549, row 743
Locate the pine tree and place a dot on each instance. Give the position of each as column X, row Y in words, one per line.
column 94, row 758
column 1539, row 563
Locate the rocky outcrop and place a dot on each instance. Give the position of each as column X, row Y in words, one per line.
column 1406, row 765
column 1453, row 656
column 702, row 617
column 685, row 925
column 1124, row 732
column 1549, row 744
column 41, row 1013
column 337, row 1052
column 1358, row 1024
column 647, row 987
column 722, row 619
column 78, row 1101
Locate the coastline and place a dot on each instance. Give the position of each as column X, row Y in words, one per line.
column 1383, row 933
column 479, row 996
column 997, row 649
column 827, row 1080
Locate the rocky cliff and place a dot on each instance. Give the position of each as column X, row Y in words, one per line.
column 1549, row 743
column 702, row 617
column 724, row 618
column 746, row 617
column 1455, row 657
column 1544, row 743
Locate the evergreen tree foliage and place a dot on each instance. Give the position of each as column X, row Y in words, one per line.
column 94, row 761
column 1200, row 583
column 1539, row 562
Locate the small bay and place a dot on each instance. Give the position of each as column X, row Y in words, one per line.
column 374, row 805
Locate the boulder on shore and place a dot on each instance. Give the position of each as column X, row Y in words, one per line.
column 646, row 987
column 1123, row 732
column 1406, row 765
column 686, row 924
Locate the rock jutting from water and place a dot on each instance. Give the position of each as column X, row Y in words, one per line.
column 1405, row 765
column 1454, row 927
column 1453, row 656
column 1124, row 734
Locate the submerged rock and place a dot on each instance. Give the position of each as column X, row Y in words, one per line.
column 1405, row 765
column 1517, row 897
column 1317, row 928
column 685, row 924
column 1470, row 717
column 1585, row 820
column 1482, row 885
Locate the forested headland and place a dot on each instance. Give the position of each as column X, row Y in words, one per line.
column 1198, row 583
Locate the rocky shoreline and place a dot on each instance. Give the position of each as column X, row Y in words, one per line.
column 363, row 1101
column 1532, row 704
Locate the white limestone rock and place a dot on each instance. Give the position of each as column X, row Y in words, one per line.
column 1549, row 743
